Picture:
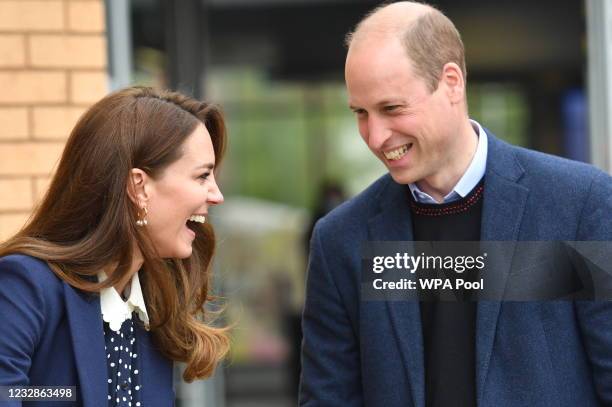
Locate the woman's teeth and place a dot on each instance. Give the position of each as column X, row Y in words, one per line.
column 397, row 153
column 198, row 218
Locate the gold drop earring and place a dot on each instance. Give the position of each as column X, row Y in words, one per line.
column 142, row 217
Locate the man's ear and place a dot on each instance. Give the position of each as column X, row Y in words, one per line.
column 454, row 82
column 137, row 187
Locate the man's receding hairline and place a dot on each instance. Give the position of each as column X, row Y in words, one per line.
column 398, row 29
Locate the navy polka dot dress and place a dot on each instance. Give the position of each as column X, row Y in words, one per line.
column 122, row 362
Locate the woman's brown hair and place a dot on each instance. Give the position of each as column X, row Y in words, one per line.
column 86, row 222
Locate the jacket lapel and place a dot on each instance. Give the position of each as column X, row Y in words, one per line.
column 87, row 333
column 156, row 379
column 503, row 207
column 393, row 223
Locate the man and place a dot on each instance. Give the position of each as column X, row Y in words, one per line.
column 449, row 179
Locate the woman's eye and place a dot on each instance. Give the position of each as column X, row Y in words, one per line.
column 204, row 176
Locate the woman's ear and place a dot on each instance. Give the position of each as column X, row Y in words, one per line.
column 137, row 187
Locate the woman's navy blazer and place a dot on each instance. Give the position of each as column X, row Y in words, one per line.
column 51, row 334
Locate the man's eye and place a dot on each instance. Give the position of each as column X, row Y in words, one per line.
column 359, row 112
column 391, row 108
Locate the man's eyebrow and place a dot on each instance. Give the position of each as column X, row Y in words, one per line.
column 384, row 102
column 397, row 101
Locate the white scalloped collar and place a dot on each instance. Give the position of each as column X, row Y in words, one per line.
column 115, row 310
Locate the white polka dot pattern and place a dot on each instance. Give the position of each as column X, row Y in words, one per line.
column 124, row 382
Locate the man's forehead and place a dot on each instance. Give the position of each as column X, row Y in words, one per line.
column 382, row 58
column 376, row 48
column 373, row 39
column 381, row 85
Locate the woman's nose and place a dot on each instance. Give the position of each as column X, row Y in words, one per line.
column 215, row 197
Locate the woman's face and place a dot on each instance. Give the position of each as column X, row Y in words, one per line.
column 187, row 187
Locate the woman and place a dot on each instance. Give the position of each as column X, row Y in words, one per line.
column 105, row 286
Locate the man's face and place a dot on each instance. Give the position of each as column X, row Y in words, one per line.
column 409, row 128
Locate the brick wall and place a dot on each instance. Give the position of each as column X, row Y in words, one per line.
column 52, row 67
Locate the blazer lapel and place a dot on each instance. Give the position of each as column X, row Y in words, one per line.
column 87, row 332
column 503, row 207
column 393, row 223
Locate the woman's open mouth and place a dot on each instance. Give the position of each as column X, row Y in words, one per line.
column 195, row 222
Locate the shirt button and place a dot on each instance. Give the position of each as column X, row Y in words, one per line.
column 124, row 385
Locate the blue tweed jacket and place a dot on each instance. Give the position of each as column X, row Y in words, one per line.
column 370, row 353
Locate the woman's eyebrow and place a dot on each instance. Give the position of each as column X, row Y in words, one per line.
column 210, row 166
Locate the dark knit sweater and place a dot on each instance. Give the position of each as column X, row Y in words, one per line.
column 449, row 327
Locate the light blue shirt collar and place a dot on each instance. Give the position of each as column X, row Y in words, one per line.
column 470, row 178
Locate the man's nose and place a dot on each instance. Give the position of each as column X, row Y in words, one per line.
column 378, row 132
